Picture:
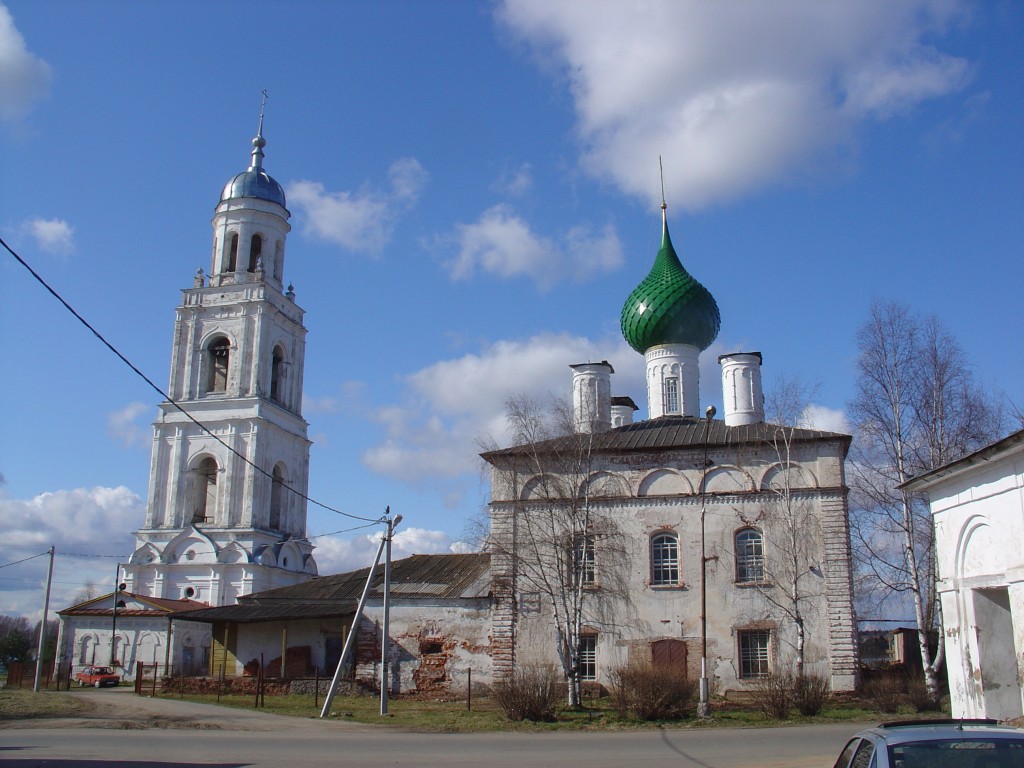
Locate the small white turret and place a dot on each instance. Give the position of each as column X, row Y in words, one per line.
column 623, row 409
column 592, row 396
column 742, row 397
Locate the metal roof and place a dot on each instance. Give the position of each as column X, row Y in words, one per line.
column 423, row 577
column 158, row 606
column 671, row 432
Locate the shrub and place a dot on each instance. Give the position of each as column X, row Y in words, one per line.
column 531, row 693
column 773, row 695
column 918, row 698
column 885, row 693
column 648, row 693
column 810, row 692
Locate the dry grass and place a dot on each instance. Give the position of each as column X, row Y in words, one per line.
column 17, row 704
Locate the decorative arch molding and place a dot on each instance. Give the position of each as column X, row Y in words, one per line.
column 145, row 555
column 800, row 477
column 979, row 549
column 309, row 566
column 533, row 489
column 234, row 553
column 289, row 556
column 265, row 555
column 728, row 479
column 665, row 482
column 191, row 541
column 606, row 484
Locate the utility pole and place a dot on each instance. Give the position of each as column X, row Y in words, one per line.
column 113, row 623
column 42, row 626
column 704, row 705
column 385, row 645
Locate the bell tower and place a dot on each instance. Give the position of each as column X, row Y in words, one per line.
column 226, row 512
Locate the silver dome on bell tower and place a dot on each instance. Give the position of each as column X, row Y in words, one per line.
column 254, row 181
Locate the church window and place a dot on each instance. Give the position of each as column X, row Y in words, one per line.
column 255, row 251
column 204, row 491
column 276, row 497
column 218, row 357
column 587, row 657
column 749, row 556
column 276, row 374
column 671, row 394
column 665, row 560
column 753, row 649
column 585, row 559
column 87, row 650
column 233, row 253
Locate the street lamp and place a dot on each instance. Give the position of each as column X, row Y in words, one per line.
column 704, row 705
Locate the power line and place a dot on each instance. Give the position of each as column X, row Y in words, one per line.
column 24, row 560
column 166, row 397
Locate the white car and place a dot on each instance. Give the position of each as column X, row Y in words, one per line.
column 935, row 744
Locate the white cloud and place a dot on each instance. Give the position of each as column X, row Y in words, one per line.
column 90, row 530
column 502, row 244
column 451, row 405
column 734, row 95
column 123, row 425
column 24, row 78
column 54, row 236
column 363, row 220
column 826, row 419
column 334, row 555
column 516, row 181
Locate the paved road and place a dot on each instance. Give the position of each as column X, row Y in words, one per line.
column 133, row 732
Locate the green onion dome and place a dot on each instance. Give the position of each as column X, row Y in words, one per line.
column 669, row 306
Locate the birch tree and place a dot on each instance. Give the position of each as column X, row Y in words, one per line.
column 916, row 407
column 562, row 545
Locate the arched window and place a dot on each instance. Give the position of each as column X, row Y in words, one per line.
column 87, row 652
column 276, row 497
column 749, row 555
column 232, row 253
column 664, row 560
column 218, row 356
column 204, row 491
column 278, row 260
column 277, row 374
column 255, row 251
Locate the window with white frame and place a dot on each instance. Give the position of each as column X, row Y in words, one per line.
column 749, row 556
column 664, row 560
column 585, row 559
column 671, row 394
column 588, row 657
column 753, row 649
column 218, row 355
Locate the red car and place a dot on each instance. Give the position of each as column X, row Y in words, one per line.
column 98, row 677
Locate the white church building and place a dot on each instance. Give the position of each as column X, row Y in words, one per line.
column 226, row 511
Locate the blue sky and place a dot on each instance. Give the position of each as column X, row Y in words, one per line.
column 474, row 191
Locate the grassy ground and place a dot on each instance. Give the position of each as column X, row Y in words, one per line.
column 410, row 713
column 452, row 716
column 18, row 704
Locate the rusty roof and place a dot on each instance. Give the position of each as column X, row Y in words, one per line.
column 157, row 606
column 419, row 577
column 673, row 432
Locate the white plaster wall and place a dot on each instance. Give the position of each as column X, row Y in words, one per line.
column 979, row 526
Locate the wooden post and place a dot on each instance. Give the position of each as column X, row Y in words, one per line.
column 284, row 647
column 469, row 689
column 316, row 687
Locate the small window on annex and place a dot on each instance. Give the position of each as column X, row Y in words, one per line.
column 664, row 560
column 753, row 650
column 218, row 354
column 587, row 657
column 749, row 556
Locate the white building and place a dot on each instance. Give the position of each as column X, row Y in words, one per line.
column 226, row 511
column 977, row 505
